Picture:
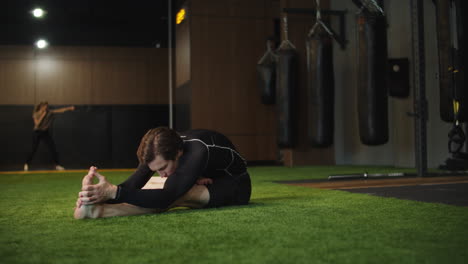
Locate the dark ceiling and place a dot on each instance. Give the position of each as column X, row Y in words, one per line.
column 86, row 22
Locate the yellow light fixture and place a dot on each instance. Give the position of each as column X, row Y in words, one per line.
column 180, row 17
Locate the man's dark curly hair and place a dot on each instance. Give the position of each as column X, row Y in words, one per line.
column 159, row 141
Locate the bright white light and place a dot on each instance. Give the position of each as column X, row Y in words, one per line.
column 42, row 44
column 38, row 12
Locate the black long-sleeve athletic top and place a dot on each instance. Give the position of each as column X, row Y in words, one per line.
column 205, row 154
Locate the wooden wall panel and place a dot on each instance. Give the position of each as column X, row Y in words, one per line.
column 228, row 8
column 120, row 82
column 256, row 147
column 64, row 53
column 63, row 81
column 17, row 81
column 158, row 77
column 272, row 9
column 105, row 53
column 83, row 75
column 225, row 92
column 17, row 52
column 227, row 40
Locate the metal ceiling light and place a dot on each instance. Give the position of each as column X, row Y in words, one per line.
column 38, row 12
column 42, row 44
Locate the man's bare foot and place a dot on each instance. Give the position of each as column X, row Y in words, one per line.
column 87, row 211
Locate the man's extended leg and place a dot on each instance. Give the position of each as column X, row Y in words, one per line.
column 197, row 197
column 110, row 210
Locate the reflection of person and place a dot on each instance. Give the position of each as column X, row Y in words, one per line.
column 43, row 117
column 202, row 168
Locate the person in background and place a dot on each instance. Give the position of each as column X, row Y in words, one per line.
column 43, row 117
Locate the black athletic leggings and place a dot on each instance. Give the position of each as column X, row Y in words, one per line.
column 39, row 135
column 230, row 190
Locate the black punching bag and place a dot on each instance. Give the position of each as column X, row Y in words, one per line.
column 320, row 89
column 451, row 62
column 266, row 69
column 372, row 78
column 286, row 70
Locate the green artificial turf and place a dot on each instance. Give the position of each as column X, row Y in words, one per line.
column 283, row 224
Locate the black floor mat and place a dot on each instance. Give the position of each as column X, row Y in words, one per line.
column 453, row 194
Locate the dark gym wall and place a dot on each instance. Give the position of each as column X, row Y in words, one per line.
column 226, row 39
column 119, row 94
column 399, row 151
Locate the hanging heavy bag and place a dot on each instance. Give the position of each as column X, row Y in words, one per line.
column 266, row 69
column 450, row 64
column 372, row 79
column 320, row 87
column 285, row 95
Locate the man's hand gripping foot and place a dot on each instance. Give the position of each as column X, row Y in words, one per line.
column 83, row 211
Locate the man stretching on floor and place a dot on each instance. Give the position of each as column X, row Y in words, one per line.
column 202, row 169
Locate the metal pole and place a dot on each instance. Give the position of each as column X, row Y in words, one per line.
column 419, row 78
column 169, row 51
